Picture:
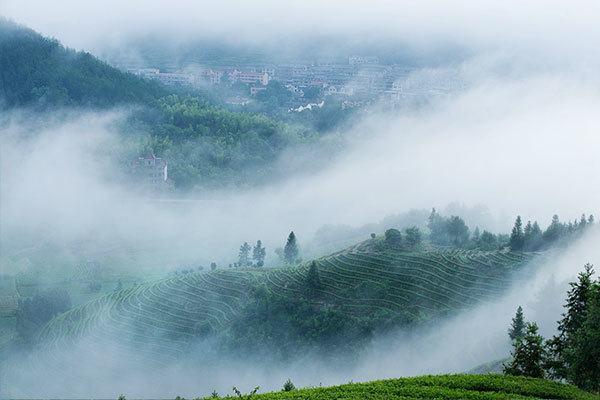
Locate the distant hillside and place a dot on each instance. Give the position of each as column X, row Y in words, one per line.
column 284, row 311
column 474, row 387
column 38, row 71
column 205, row 145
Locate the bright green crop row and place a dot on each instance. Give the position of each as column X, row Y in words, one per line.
column 473, row 387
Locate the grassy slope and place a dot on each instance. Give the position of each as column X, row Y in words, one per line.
column 440, row 387
column 398, row 287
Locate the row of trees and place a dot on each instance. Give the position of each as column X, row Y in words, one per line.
column 532, row 238
column 289, row 254
column 574, row 353
column 395, row 238
column 258, row 255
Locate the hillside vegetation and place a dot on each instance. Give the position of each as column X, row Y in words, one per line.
column 473, row 387
column 40, row 72
column 205, row 145
column 339, row 302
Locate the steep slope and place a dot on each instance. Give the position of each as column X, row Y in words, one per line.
column 357, row 292
column 38, row 71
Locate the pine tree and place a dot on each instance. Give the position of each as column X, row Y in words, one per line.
column 290, row 251
column 586, row 346
column 259, row 253
column 554, row 231
column 476, row 234
column 244, row 256
column 562, row 346
column 436, row 225
column 529, row 354
column 516, row 237
column 313, row 280
column 582, row 222
column 515, row 331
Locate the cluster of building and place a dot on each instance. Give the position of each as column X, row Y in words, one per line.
column 360, row 79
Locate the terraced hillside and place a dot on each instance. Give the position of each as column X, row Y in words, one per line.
column 475, row 387
column 162, row 319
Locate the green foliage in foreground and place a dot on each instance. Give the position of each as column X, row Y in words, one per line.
column 473, row 387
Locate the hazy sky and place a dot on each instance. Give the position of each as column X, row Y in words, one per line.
column 538, row 28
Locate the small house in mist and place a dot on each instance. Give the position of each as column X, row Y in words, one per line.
column 154, row 172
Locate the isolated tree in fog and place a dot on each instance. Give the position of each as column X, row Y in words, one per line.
column 259, row 253
column 313, row 280
column 516, row 237
column 244, row 257
column 515, row 331
column 290, row 251
column 457, row 230
column 529, row 354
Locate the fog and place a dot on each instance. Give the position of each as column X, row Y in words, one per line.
column 520, row 137
column 520, row 146
column 559, row 32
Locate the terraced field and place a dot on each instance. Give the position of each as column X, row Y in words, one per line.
column 474, row 387
column 162, row 319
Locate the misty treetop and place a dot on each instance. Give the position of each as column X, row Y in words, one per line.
column 531, row 238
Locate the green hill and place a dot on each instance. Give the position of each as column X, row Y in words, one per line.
column 38, row 71
column 473, row 387
column 358, row 292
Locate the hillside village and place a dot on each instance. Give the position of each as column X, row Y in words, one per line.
column 360, row 81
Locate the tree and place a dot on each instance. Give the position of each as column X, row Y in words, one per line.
column 585, row 363
column 213, row 266
column 393, row 237
column 313, row 280
column 288, row 386
column 554, row 231
column 532, row 236
column 488, row 241
column 437, row 228
column 515, row 332
column 562, row 346
column 33, row 313
column 259, row 253
column 529, row 354
column 290, row 251
column 413, row 236
column 476, row 234
column 516, row 237
column 457, row 230
column 244, row 257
